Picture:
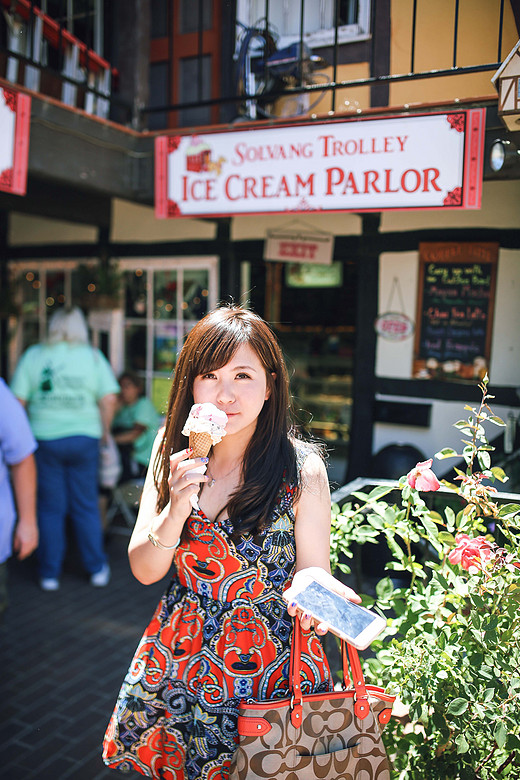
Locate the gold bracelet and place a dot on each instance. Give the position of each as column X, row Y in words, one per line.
column 156, row 543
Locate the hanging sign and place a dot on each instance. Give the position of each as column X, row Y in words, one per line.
column 391, row 324
column 287, row 247
column 15, row 115
column 431, row 161
column 394, row 326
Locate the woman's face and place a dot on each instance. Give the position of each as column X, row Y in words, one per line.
column 239, row 388
column 128, row 391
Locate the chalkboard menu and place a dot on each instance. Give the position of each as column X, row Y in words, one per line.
column 454, row 310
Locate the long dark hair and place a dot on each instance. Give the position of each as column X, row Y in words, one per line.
column 270, row 456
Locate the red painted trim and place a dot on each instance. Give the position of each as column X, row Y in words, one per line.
column 474, row 158
column 472, row 175
column 51, row 31
column 14, row 179
column 73, row 109
column 275, row 125
column 21, row 144
column 161, row 177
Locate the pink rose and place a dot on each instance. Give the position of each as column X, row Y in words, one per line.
column 471, row 554
column 461, row 540
column 476, row 554
column 422, row 477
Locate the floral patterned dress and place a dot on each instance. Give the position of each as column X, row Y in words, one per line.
column 220, row 633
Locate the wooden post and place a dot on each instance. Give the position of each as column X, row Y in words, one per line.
column 364, row 384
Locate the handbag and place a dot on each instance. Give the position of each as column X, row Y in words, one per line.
column 332, row 736
column 110, row 467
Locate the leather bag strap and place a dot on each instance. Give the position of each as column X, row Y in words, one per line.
column 349, row 656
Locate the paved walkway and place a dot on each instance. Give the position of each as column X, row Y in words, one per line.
column 63, row 657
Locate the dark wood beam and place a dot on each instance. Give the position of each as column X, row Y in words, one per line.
column 57, row 201
column 360, row 446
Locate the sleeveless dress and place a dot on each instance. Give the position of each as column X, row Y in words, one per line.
column 221, row 633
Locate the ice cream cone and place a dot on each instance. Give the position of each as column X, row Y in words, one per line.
column 200, row 443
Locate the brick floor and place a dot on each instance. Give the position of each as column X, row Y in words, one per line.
column 63, row 657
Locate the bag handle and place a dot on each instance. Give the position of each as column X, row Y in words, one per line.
column 349, row 654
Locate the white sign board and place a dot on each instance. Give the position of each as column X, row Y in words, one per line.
column 429, row 161
column 15, row 114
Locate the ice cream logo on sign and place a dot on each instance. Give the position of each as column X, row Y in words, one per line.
column 198, row 157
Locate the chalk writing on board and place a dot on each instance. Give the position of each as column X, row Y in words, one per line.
column 454, row 312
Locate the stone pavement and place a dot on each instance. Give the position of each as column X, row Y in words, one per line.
column 63, row 657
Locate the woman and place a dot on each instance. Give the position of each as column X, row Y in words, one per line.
column 221, row 632
column 134, row 427
column 70, row 391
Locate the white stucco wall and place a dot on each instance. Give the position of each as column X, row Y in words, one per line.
column 394, row 359
column 29, row 230
column 134, row 222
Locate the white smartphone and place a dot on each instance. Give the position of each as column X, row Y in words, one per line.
column 355, row 624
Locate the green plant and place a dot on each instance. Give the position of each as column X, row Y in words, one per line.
column 451, row 651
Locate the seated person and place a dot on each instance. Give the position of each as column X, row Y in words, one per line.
column 134, row 426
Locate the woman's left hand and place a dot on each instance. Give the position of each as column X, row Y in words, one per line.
column 328, row 581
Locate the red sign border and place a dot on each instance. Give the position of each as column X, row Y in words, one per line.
column 469, row 198
column 22, row 109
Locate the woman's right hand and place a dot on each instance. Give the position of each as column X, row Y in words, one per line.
column 186, row 476
column 150, row 562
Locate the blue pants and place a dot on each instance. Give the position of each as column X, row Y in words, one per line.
column 68, row 486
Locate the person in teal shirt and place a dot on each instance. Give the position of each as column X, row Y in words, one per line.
column 70, row 393
column 134, row 427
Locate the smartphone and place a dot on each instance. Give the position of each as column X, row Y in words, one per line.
column 355, row 624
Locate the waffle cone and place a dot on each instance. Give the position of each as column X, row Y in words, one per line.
column 201, row 444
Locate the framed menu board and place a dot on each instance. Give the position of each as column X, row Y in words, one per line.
column 455, row 304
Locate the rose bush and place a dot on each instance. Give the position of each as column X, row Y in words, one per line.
column 451, row 650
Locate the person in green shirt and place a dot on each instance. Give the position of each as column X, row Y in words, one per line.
column 134, row 426
column 70, row 391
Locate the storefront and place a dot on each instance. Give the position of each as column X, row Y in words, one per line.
column 143, row 324
column 383, row 198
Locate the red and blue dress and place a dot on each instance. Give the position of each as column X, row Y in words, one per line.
column 221, row 633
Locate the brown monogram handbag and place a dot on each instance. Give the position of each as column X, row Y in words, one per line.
column 331, row 736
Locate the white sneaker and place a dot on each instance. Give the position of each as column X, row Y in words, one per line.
column 101, row 578
column 49, row 583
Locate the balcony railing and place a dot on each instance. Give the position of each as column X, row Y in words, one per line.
column 298, row 57
column 41, row 54
column 269, row 65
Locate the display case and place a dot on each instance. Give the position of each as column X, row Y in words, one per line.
column 327, row 403
column 320, row 365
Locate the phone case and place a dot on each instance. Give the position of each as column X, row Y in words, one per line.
column 355, row 624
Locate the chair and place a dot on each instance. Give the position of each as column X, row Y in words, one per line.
column 124, row 502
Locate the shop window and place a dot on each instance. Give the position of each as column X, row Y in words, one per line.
column 39, row 290
column 158, row 18
column 195, row 84
column 135, row 293
column 192, row 13
column 158, row 83
column 165, row 295
column 163, row 301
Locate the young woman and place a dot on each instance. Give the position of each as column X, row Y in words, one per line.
column 221, row 632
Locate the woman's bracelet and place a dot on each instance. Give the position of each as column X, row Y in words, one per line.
column 156, row 543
